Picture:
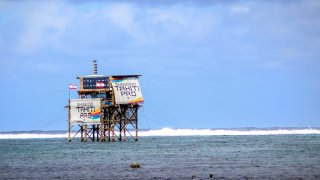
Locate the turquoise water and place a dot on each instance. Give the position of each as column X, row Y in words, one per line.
column 198, row 157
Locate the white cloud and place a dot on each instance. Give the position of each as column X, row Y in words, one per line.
column 70, row 28
column 239, row 9
column 176, row 24
column 177, row 29
column 43, row 27
column 121, row 15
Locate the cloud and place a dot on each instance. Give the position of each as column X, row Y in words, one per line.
column 152, row 3
column 240, row 9
column 123, row 25
column 121, row 15
column 43, row 27
column 179, row 22
column 166, row 29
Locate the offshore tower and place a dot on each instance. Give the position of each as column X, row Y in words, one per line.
column 106, row 108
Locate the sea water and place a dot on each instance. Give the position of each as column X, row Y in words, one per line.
column 272, row 156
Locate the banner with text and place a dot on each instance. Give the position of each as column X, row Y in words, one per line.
column 127, row 90
column 85, row 111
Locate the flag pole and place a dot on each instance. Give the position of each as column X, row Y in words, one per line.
column 69, row 92
column 69, row 139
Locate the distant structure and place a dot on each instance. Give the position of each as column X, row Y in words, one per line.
column 106, row 109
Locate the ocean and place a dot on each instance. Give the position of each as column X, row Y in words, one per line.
column 165, row 154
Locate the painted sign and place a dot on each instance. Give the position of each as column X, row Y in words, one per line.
column 85, row 111
column 127, row 90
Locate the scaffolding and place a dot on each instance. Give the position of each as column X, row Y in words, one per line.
column 115, row 102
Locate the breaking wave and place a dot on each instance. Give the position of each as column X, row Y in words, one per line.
column 171, row 132
column 17, row 135
column 221, row 132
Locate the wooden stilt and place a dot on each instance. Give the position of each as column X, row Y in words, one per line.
column 85, row 128
column 93, row 132
column 81, row 132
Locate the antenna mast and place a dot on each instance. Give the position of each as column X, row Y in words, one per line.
column 95, row 67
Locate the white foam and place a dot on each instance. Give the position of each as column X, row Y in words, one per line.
column 210, row 132
column 31, row 136
column 175, row 132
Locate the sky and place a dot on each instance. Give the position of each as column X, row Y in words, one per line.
column 204, row 64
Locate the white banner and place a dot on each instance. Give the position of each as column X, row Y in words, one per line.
column 127, row 90
column 85, row 111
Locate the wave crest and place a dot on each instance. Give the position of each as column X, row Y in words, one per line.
column 221, row 132
column 173, row 132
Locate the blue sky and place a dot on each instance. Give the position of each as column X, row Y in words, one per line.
column 205, row 64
